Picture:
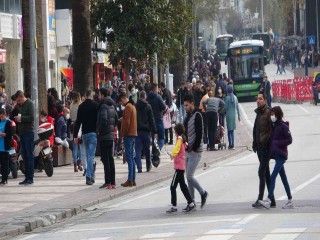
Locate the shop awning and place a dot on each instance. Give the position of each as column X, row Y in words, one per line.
column 68, row 73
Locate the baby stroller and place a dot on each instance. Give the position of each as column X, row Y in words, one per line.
column 219, row 139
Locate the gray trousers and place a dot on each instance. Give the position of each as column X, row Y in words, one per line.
column 192, row 161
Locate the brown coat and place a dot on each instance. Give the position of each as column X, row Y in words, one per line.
column 129, row 121
column 262, row 128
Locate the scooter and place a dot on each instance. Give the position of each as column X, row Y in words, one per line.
column 42, row 151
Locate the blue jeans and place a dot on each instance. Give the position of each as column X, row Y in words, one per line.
column 76, row 152
column 160, row 131
column 269, row 99
column 129, row 150
column 90, row 144
column 231, row 138
column 279, row 169
column 142, row 142
column 83, row 155
column 182, row 113
column 26, row 141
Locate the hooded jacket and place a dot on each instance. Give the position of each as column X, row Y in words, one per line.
column 157, row 105
column 107, row 119
column 280, row 139
column 145, row 119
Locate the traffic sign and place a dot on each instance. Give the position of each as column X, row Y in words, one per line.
column 311, row 40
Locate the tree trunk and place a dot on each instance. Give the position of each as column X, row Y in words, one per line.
column 42, row 82
column 82, row 62
column 26, row 48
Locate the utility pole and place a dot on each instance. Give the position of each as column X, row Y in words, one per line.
column 262, row 17
column 33, row 61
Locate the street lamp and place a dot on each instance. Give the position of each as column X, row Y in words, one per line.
column 256, row 16
column 262, row 17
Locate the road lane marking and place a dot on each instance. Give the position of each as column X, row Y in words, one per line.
column 303, row 109
column 157, row 235
column 245, row 116
column 29, row 237
column 151, row 225
column 284, row 233
column 98, row 238
column 301, row 186
column 220, row 234
column 247, row 219
column 240, row 159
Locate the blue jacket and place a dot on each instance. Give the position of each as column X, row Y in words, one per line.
column 157, row 105
column 280, row 139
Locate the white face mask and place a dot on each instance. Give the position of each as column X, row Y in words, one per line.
column 43, row 120
column 219, row 91
column 273, row 118
column 68, row 116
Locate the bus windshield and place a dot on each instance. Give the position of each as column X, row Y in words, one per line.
column 247, row 66
column 223, row 44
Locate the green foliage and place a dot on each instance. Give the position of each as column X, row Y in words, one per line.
column 135, row 29
column 234, row 24
column 206, row 9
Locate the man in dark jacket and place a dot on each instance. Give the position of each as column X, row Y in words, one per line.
column 106, row 122
column 181, row 94
column 145, row 126
column 87, row 117
column 158, row 107
column 261, row 134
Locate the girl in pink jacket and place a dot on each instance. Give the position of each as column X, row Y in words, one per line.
column 178, row 156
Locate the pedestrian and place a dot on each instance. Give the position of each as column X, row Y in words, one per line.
column 107, row 120
column 60, row 126
column 145, row 126
column 213, row 106
column 279, row 141
column 204, row 115
column 178, row 156
column 25, row 126
column 5, row 145
column 129, row 134
column 267, row 90
column 167, row 124
column 158, row 106
column 182, row 92
column 222, row 97
column 76, row 148
column 260, row 145
column 194, row 132
column 232, row 114
column 87, row 120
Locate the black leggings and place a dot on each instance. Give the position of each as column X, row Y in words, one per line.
column 178, row 177
column 170, row 135
column 4, row 159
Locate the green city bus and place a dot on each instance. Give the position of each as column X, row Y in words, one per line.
column 246, row 63
column 222, row 43
column 267, row 41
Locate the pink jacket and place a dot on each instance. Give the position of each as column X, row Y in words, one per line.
column 179, row 154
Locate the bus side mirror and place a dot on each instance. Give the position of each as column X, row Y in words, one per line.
column 265, row 60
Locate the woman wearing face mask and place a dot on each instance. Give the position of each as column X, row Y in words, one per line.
column 279, row 140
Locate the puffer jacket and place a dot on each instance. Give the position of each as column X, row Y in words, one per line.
column 280, row 139
column 107, row 119
column 262, row 128
column 157, row 105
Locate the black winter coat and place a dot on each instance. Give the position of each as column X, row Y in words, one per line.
column 157, row 105
column 145, row 119
column 107, row 120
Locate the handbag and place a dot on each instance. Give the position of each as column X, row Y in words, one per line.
column 155, row 154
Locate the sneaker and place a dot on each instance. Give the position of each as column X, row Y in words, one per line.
column 273, row 205
column 204, row 199
column 265, row 203
column 190, row 207
column 172, row 210
column 139, row 170
column 103, row 186
column 256, row 204
column 84, row 172
column 28, row 182
column 23, row 182
column 288, row 205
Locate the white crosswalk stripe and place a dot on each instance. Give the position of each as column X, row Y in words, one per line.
column 220, row 234
column 157, row 236
column 284, row 233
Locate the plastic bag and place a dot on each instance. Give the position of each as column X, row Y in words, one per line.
column 155, row 154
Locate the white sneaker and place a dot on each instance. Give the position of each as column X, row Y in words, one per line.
column 265, row 203
column 288, row 205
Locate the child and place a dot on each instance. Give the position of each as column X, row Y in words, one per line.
column 178, row 155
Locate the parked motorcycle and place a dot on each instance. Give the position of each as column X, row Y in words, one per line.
column 42, row 151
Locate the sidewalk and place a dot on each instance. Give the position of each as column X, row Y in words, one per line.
column 50, row 200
